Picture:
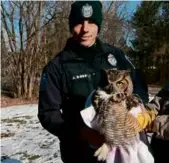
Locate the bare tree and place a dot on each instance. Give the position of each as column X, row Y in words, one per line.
column 114, row 23
column 23, row 22
column 38, row 30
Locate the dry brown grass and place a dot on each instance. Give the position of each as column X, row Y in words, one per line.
column 9, row 101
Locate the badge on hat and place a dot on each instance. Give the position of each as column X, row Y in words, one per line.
column 87, row 11
column 112, row 60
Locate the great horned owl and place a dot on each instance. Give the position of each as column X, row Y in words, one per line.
column 112, row 102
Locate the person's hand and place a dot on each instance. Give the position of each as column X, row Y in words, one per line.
column 146, row 118
column 160, row 126
column 93, row 137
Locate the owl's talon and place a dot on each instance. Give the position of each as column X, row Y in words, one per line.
column 102, row 152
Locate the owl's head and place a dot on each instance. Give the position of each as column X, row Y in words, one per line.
column 115, row 81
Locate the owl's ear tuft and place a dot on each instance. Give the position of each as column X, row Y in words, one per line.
column 127, row 72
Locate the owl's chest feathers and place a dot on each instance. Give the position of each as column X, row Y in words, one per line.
column 112, row 113
column 113, row 120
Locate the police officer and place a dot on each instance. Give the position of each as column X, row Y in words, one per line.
column 72, row 75
column 160, row 140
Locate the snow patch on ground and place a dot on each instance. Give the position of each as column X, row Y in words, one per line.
column 24, row 139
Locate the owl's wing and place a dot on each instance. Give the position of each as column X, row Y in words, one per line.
column 88, row 114
column 133, row 123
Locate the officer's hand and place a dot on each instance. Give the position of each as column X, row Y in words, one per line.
column 92, row 136
column 161, row 126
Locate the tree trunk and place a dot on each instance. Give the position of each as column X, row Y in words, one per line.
column 30, row 87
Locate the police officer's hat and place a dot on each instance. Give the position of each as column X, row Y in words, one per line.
column 81, row 10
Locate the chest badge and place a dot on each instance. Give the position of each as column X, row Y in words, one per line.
column 87, row 11
column 112, row 60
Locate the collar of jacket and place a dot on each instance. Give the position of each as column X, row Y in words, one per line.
column 71, row 50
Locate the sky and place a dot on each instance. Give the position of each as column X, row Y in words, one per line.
column 132, row 5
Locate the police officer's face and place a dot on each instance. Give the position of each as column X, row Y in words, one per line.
column 86, row 33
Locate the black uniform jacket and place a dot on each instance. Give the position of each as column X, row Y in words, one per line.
column 70, row 77
column 160, row 142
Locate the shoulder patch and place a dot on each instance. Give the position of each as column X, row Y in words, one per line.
column 112, row 60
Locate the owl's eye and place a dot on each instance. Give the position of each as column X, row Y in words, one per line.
column 119, row 83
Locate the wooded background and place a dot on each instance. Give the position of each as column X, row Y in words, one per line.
column 33, row 32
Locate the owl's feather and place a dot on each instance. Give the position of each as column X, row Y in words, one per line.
column 116, row 123
column 112, row 102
